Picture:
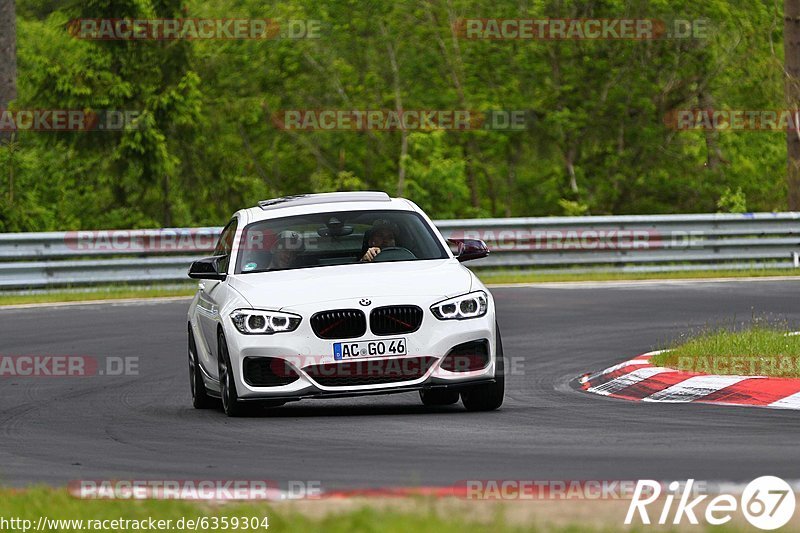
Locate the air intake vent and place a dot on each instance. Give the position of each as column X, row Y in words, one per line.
column 467, row 357
column 268, row 372
column 339, row 324
column 395, row 319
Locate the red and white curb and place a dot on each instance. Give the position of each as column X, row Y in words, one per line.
column 638, row 380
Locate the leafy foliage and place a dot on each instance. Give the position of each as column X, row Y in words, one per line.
column 206, row 144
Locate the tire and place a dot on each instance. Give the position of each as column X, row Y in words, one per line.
column 230, row 399
column 489, row 396
column 433, row 398
column 200, row 397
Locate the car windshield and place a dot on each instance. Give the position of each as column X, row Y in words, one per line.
column 336, row 238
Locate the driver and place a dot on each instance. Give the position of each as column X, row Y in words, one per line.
column 383, row 234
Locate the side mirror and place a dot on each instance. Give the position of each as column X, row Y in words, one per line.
column 470, row 249
column 207, row 268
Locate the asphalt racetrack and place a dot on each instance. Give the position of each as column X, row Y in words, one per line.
column 53, row 430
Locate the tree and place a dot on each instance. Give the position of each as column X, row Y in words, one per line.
column 8, row 56
column 791, row 46
column 206, row 143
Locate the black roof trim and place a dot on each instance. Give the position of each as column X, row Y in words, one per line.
column 323, row 198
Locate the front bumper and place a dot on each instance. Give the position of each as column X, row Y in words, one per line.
column 301, row 349
column 352, row 392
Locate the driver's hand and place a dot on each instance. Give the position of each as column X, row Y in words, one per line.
column 371, row 253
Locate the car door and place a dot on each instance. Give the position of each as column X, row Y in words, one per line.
column 212, row 296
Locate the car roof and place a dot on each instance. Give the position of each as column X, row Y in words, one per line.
column 323, row 202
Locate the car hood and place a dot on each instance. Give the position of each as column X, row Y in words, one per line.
column 295, row 288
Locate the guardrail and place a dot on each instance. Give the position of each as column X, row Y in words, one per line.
column 602, row 243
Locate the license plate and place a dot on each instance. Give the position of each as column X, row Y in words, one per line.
column 376, row 348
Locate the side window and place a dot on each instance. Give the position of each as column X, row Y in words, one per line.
column 225, row 244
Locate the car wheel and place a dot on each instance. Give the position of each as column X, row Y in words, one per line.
column 489, row 396
column 230, row 399
column 433, row 398
column 200, row 397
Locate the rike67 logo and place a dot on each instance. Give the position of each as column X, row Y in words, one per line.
column 767, row 503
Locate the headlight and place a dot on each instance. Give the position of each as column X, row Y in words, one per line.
column 472, row 305
column 258, row 322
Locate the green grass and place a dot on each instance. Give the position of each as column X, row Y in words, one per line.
column 132, row 291
column 761, row 350
column 102, row 293
column 32, row 503
column 533, row 277
column 420, row 514
column 58, row 504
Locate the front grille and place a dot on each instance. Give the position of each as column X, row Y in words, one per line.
column 339, row 324
column 394, row 319
column 268, row 372
column 372, row 372
column 467, row 357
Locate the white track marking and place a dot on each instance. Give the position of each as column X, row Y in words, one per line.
column 790, row 402
column 694, row 388
column 627, row 380
column 614, row 368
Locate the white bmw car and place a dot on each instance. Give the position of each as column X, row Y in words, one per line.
column 341, row 294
